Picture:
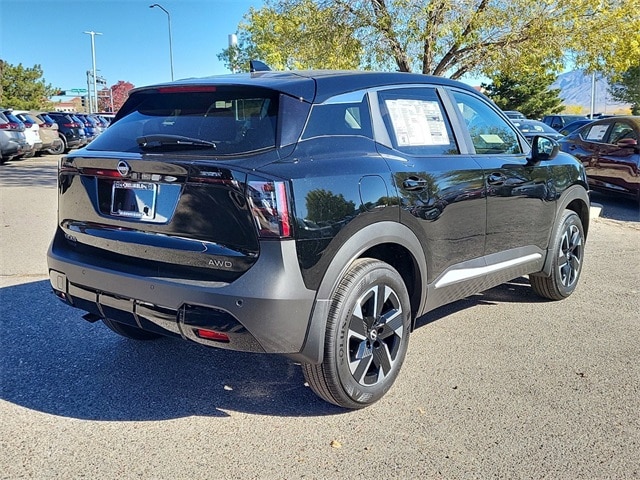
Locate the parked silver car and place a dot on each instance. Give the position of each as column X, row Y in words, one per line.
column 13, row 143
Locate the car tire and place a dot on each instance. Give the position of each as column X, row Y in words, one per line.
column 128, row 331
column 58, row 148
column 567, row 250
column 367, row 336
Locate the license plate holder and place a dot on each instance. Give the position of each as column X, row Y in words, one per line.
column 134, row 199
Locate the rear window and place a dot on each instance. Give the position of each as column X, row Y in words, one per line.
column 530, row 127
column 235, row 120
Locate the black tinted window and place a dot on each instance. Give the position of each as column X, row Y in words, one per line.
column 339, row 119
column 235, row 120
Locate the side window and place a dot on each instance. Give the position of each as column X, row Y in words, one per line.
column 416, row 122
column 621, row 131
column 595, row 133
column 490, row 133
column 339, row 119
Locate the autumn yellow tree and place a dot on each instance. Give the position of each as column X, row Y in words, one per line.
column 443, row 37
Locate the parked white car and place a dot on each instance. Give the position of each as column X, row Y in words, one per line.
column 31, row 132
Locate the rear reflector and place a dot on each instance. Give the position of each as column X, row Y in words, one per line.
column 212, row 335
column 102, row 172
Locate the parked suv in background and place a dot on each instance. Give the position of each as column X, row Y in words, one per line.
column 558, row 122
column 51, row 142
column 70, row 131
column 12, row 139
column 310, row 214
column 32, row 133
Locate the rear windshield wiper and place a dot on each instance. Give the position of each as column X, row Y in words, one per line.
column 153, row 141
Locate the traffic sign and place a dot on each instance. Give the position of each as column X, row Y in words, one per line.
column 78, row 90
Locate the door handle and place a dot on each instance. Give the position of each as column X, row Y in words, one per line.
column 496, row 179
column 413, row 184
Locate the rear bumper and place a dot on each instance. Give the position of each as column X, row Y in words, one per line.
column 265, row 310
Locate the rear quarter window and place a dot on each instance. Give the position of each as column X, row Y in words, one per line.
column 338, row 120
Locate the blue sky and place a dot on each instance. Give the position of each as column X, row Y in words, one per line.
column 134, row 45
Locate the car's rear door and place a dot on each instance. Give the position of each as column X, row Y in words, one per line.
column 440, row 187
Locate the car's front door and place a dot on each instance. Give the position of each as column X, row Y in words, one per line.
column 618, row 165
column 520, row 196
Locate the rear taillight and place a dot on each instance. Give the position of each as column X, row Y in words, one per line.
column 69, row 125
column 28, row 124
column 270, row 208
column 5, row 126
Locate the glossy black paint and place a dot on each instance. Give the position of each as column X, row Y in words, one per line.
column 442, row 213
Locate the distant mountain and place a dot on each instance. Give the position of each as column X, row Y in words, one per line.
column 575, row 90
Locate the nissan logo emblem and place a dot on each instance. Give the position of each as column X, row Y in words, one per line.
column 123, row 168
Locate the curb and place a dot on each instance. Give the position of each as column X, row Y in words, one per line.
column 595, row 210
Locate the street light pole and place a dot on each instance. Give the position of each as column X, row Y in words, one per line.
column 170, row 42
column 93, row 56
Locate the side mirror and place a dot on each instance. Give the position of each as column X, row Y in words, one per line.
column 543, row 148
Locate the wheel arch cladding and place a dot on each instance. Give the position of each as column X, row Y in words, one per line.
column 390, row 242
column 576, row 199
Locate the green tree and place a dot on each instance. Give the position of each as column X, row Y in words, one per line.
column 443, row 37
column 527, row 93
column 294, row 34
column 324, row 206
column 24, row 88
column 626, row 89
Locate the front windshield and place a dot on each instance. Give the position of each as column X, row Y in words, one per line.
column 236, row 120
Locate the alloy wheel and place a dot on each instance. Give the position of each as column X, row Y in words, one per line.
column 375, row 334
column 570, row 255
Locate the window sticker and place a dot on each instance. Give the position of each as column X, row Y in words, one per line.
column 597, row 132
column 491, row 138
column 417, row 122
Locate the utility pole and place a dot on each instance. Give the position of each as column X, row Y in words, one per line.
column 93, row 56
column 170, row 42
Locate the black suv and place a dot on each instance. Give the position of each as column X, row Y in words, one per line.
column 70, row 131
column 558, row 122
column 310, row 214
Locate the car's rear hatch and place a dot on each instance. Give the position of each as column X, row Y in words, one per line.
column 170, row 189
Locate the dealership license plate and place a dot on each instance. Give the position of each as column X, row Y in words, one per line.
column 134, row 199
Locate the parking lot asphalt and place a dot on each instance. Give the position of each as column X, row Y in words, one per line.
column 500, row 385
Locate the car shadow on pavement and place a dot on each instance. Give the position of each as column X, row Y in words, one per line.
column 517, row 290
column 617, row 207
column 55, row 362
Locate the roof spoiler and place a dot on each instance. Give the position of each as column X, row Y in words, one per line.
column 258, row 66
